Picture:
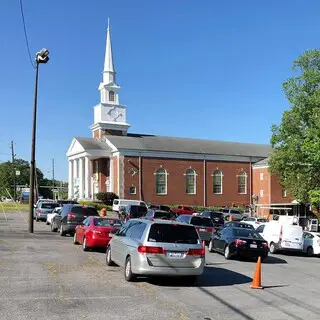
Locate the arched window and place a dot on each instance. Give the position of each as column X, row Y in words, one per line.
column 190, row 181
column 242, row 182
column 217, row 182
column 111, row 96
column 161, row 181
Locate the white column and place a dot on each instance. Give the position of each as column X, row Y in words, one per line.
column 87, row 178
column 70, row 180
column 81, row 176
column 75, row 176
column 110, row 175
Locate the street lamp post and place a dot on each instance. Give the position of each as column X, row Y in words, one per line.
column 41, row 57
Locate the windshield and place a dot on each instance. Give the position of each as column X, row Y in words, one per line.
column 201, row 221
column 102, row 222
column 173, row 233
column 49, row 205
column 161, row 214
column 247, row 233
column 262, row 220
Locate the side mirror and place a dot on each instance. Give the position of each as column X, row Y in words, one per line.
column 114, row 231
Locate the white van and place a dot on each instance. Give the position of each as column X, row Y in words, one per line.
column 125, row 203
column 283, row 237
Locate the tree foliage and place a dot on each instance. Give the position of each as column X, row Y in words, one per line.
column 296, row 141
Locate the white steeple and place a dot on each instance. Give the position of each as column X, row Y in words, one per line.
column 109, row 114
column 108, row 70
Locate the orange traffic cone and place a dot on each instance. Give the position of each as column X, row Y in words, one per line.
column 230, row 218
column 256, row 283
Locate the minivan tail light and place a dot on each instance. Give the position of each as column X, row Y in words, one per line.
column 152, row 250
column 265, row 245
column 196, row 252
column 240, row 242
column 39, row 211
column 70, row 216
column 209, row 230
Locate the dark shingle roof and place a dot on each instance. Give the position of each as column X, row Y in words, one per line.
column 92, row 144
column 188, row 145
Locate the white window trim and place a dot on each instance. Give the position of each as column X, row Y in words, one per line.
column 261, row 176
column 135, row 190
column 261, row 193
column 195, row 181
column 246, row 182
column 166, row 173
column 221, row 182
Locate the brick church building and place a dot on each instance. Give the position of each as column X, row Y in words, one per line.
column 163, row 170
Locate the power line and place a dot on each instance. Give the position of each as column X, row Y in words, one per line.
column 25, row 34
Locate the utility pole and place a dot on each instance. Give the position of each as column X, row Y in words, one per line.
column 53, row 179
column 13, row 171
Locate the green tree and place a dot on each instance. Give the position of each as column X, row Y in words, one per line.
column 296, row 141
column 7, row 171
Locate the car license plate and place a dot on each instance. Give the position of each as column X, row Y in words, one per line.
column 253, row 246
column 202, row 229
column 174, row 255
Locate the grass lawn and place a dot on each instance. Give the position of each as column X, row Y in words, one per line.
column 10, row 206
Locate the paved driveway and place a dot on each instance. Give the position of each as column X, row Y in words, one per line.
column 45, row 276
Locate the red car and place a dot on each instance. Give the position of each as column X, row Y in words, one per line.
column 183, row 210
column 95, row 232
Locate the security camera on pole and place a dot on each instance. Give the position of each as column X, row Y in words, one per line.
column 41, row 57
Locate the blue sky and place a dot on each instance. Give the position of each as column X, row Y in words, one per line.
column 204, row 69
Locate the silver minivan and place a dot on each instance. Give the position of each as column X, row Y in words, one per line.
column 157, row 248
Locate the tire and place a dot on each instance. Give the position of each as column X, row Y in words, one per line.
column 47, row 223
column 84, row 244
column 272, row 248
column 62, row 232
column 75, row 239
column 128, row 275
column 227, row 254
column 52, row 228
column 210, row 246
column 310, row 251
column 109, row 262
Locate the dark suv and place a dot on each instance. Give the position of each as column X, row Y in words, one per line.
column 160, row 214
column 135, row 211
column 216, row 217
column 70, row 216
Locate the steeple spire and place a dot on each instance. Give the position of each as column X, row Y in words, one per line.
column 108, row 70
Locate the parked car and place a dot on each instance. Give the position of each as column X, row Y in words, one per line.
column 70, row 216
column 311, row 243
column 242, row 242
column 203, row 225
column 162, row 248
column 95, row 232
column 42, row 200
column 216, row 217
column 125, row 203
column 238, row 224
column 160, row 214
column 43, row 208
column 283, row 237
column 254, row 221
column 51, row 215
column 159, row 207
column 136, row 211
column 183, row 210
column 235, row 213
column 62, row 202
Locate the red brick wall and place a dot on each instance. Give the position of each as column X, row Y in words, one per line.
column 261, row 185
column 176, row 193
column 276, row 191
column 115, row 175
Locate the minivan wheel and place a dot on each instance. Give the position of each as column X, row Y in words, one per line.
column 227, row 252
column 53, row 229
column 272, row 248
column 109, row 262
column 62, row 232
column 210, row 247
column 310, row 251
column 128, row 275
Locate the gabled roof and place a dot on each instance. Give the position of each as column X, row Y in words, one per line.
column 92, row 144
column 262, row 163
column 188, row 145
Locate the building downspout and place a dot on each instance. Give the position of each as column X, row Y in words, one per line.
column 250, row 191
column 204, row 182
column 140, row 178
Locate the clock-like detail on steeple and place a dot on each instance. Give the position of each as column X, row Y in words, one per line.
column 109, row 114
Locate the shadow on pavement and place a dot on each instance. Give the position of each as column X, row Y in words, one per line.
column 211, row 277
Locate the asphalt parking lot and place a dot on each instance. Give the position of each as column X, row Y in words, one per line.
column 45, row 276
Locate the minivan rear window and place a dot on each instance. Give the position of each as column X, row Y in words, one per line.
column 138, row 211
column 49, row 205
column 173, row 233
column 86, row 211
column 163, row 214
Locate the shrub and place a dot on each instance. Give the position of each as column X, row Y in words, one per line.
column 97, row 205
column 107, row 197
